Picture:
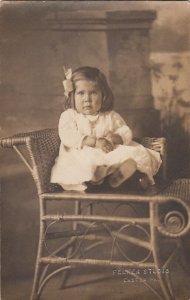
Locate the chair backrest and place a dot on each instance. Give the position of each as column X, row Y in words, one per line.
column 159, row 145
column 43, row 147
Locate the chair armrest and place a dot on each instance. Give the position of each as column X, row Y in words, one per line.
column 22, row 138
column 13, row 141
column 159, row 145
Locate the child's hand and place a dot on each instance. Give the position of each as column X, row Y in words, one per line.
column 114, row 138
column 89, row 141
column 104, row 144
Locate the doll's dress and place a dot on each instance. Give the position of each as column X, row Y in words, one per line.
column 76, row 165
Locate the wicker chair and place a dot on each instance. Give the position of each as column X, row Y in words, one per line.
column 78, row 235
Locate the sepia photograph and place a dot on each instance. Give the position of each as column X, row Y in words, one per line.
column 95, row 150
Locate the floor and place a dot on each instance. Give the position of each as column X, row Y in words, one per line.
column 96, row 285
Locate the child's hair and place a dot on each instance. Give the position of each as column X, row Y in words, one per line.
column 92, row 74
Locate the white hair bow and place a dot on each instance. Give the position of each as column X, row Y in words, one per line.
column 68, row 83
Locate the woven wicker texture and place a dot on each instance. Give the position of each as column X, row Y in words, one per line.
column 43, row 148
column 180, row 188
column 159, row 145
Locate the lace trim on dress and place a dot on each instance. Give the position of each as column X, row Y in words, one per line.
column 92, row 121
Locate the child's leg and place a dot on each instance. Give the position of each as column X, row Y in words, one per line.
column 99, row 174
column 126, row 170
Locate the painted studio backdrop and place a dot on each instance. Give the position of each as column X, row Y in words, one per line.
column 148, row 67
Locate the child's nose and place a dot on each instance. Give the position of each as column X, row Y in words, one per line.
column 87, row 97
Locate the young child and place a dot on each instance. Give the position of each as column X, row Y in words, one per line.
column 95, row 140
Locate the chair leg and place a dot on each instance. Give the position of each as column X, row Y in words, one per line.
column 37, row 273
column 184, row 258
column 65, row 275
column 35, row 295
column 163, row 278
column 164, row 281
column 166, row 287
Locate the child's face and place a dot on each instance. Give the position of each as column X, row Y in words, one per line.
column 88, row 97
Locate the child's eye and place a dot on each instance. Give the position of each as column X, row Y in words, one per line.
column 94, row 93
column 81, row 93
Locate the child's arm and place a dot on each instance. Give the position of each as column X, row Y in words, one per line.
column 89, row 141
column 101, row 143
column 114, row 138
column 71, row 137
column 104, row 144
column 69, row 133
column 120, row 133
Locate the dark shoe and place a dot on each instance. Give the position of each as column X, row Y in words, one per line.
column 144, row 182
column 54, row 187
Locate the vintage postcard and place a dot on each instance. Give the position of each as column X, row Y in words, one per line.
column 95, row 150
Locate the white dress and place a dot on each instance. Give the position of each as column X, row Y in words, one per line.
column 76, row 165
